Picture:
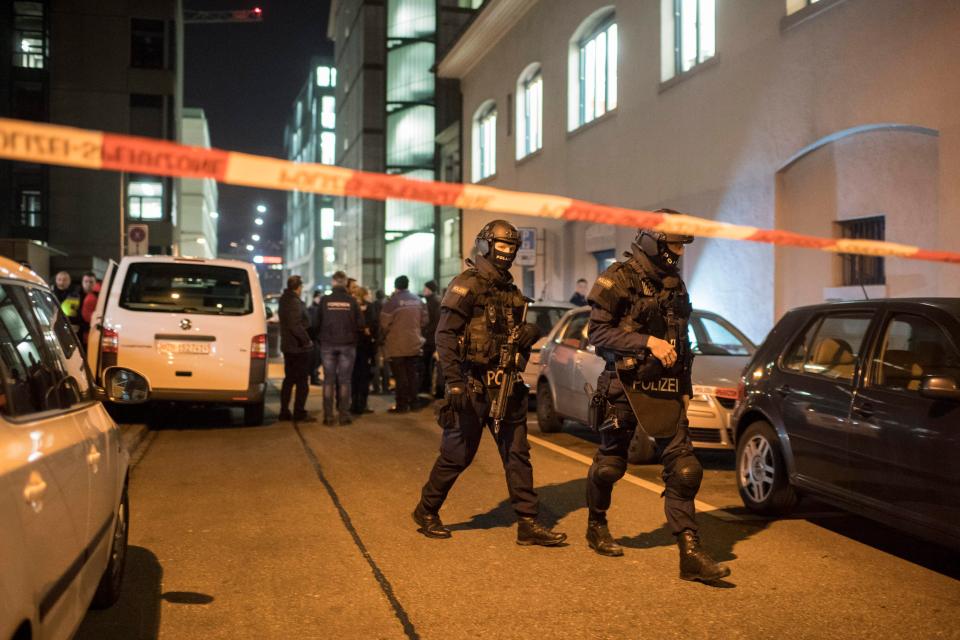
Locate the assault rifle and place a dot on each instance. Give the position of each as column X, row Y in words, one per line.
column 507, row 371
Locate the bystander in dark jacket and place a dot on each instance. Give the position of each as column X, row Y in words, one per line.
column 432, row 301
column 297, row 348
column 340, row 325
column 366, row 354
column 402, row 321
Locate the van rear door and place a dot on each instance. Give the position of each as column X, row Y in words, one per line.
column 188, row 323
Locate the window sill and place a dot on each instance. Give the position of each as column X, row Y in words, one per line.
column 798, row 17
column 529, row 157
column 681, row 77
column 487, row 180
column 589, row 125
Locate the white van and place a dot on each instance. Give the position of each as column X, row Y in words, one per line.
column 195, row 328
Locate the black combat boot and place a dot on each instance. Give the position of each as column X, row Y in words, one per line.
column 600, row 540
column 429, row 523
column 329, row 417
column 695, row 563
column 530, row 532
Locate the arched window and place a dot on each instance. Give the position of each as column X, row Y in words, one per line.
column 485, row 141
column 529, row 111
column 594, row 50
column 688, row 35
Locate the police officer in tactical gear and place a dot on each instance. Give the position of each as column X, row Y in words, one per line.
column 638, row 325
column 478, row 313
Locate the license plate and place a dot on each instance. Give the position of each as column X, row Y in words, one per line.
column 202, row 348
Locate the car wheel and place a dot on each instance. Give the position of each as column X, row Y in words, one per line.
column 762, row 473
column 108, row 591
column 547, row 416
column 253, row 414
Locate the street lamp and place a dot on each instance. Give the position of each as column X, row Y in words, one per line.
column 214, row 214
column 249, row 247
column 256, row 237
column 261, row 208
column 258, row 222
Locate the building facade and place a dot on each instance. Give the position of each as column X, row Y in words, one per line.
column 829, row 117
column 310, row 136
column 197, row 199
column 107, row 66
column 390, row 108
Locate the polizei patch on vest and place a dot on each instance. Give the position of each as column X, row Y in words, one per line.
column 460, row 290
column 663, row 385
column 606, row 283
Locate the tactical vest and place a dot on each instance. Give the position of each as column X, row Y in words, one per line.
column 659, row 311
column 496, row 312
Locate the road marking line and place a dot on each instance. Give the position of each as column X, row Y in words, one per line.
column 702, row 507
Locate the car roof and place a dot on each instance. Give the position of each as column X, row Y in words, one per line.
column 216, row 262
column 551, row 303
column 13, row 270
column 950, row 305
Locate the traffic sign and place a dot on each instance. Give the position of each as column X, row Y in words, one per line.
column 138, row 239
column 527, row 253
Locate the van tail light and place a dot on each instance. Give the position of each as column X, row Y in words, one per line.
column 109, row 341
column 258, row 347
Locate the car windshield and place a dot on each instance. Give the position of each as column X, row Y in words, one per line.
column 711, row 335
column 186, row 288
column 545, row 317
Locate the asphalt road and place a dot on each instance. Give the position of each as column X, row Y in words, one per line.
column 288, row 531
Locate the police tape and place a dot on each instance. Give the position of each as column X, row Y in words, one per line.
column 44, row 143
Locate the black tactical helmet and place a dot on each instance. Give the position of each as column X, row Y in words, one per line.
column 655, row 243
column 498, row 231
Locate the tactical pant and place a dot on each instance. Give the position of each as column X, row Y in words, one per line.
column 682, row 471
column 459, row 443
column 296, row 373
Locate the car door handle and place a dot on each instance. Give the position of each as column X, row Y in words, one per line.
column 784, row 390
column 93, row 457
column 34, row 491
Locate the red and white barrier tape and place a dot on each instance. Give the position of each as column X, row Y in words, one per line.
column 67, row 146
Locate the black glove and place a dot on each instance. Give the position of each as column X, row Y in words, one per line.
column 529, row 334
column 455, row 393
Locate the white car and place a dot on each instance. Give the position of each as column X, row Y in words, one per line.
column 195, row 329
column 64, row 511
column 545, row 315
column 569, row 368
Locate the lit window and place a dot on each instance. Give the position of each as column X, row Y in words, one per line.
column 688, row 35
column 145, row 199
column 31, row 208
column 29, row 35
column 328, row 115
column 529, row 112
column 328, row 147
column 596, row 70
column 485, row 142
column 795, row 5
column 326, row 77
column 326, row 223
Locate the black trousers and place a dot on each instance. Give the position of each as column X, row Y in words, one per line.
column 296, row 372
column 362, row 374
column 426, row 369
column 405, row 372
column 675, row 454
column 459, row 443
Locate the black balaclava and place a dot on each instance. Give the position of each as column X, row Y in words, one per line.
column 498, row 231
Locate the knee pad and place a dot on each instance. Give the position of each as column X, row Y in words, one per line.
column 686, row 476
column 608, row 469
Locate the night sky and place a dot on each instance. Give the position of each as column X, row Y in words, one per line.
column 245, row 76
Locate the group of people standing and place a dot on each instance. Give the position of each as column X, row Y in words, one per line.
column 78, row 303
column 358, row 341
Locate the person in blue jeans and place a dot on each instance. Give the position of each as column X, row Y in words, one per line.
column 339, row 324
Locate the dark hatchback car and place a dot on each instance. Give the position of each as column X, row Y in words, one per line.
column 857, row 403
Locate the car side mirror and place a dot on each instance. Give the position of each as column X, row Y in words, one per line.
column 123, row 386
column 939, row 388
column 269, row 313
